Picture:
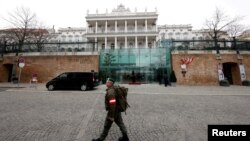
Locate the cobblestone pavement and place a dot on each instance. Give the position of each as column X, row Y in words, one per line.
column 157, row 113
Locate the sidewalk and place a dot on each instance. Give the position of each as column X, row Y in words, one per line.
column 20, row 85
column 24, row 86
column 146, row 89
column 156, row 113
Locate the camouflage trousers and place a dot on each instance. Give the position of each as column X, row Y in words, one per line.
column 108, row 123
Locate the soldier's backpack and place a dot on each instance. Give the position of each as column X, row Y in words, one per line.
column 121, row 98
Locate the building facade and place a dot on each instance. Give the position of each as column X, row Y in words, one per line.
column 245, row 35
column 70, row 39
column 128, row 52
column 177, row 32
column 71, row 34
column 122, row 28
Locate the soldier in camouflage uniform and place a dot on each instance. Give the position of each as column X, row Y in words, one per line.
column 113, row 114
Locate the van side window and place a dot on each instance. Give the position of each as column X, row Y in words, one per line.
column 63, row 76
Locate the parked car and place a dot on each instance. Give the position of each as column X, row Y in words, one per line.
column 74, row 80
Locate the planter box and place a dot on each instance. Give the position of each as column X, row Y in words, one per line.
column 224, row 83
column 15, row 80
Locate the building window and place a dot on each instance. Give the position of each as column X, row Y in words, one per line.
column 150, row 45
column 84, row 39
column 170, row 35
column 130, row 44
column 70, row 38
column 112, row 46
column 162, row 36
column 121, row 45
column 103, row 46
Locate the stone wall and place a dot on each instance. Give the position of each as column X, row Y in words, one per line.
column 203, row 70
column 48, row 66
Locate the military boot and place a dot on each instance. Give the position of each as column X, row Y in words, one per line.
column 97, row 139
column 124, row 138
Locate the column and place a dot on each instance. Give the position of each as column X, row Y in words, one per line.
column 126, row 42
column 105, row 42
column 156, row 25
column 116, row 42
column 87, row 27
column 106, row 27
column 135, row 25
column 95, row 42
column 126, row 28
column 115, row 26
column 96, row 26
column 146, row 42
column 146, row 25
column 136, row 46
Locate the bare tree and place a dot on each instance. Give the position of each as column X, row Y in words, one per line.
column 22, row 20
column 218, row 24
column 235, row 30
column 39, row 36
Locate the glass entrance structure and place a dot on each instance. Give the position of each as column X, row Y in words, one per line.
column 135, row 65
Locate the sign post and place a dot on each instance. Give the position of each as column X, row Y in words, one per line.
column 21, row 64
column 220, row 72
column 242, row 72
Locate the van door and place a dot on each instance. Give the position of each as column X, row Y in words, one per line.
column 71, row 81
column 79, row 80
column 61, row 81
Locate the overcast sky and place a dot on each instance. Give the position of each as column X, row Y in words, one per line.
column 71, row 13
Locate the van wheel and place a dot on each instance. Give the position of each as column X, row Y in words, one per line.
column 83, row 87
column 51, row 88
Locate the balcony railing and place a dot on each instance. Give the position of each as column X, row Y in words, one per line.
column 140, row 29
column 121, row 31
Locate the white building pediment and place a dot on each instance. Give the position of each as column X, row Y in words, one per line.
column 120, row 10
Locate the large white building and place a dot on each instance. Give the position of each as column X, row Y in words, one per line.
column 70, row 39
column 177, row 32
column 245, row 35
column 122, row 28
column 70, row 34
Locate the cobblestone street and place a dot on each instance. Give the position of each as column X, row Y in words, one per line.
column 157, row 113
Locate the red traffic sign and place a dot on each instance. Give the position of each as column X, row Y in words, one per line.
column 21, row 60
